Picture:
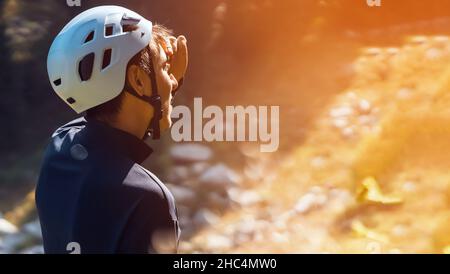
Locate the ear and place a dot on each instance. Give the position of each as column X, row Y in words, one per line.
column 138, row 80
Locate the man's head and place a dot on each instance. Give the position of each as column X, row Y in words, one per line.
column 119, row 67
column 156, row 56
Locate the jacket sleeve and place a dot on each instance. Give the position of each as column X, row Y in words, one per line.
column 152, row 227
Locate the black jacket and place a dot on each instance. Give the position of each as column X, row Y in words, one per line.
column 93, row 192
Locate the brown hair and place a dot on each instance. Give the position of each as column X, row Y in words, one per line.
column 109, row 110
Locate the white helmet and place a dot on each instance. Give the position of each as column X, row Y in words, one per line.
column 88, row 59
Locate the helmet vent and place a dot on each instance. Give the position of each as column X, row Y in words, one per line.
column 85, row 67
column 106, row 58
column 89, row 37
column 109, row 30
column 71, row 101
column 129, row 28
column 57, row 82
column 129, row 24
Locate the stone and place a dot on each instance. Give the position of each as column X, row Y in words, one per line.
column 339, row 200
column 433, row 54
column 340, row 123
column 33, row 229
column 6, row 227
column 199, row 168
column 13, row 242
column 364, row 107
column 187, row 153
column 348, row 132
column 278, row 237
column 205, row 217
column 393, row 51
column 216, row 200
column 248, row 228
column 219, row 177
column 343, row 111
column 372, row 51
column 218, row 242
column 255, row 171
column 366, row 120
column 441, row 39
column 38, row 249
column 183, row 195
column 418, row 40
column 244, row 198
column 313, row 199
column 178, row 174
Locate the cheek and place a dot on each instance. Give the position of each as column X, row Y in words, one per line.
column 168, row 112
column 165, row 88
column 166, row 121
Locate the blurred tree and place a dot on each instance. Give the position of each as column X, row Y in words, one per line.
column 6, row 109
column 28, row 105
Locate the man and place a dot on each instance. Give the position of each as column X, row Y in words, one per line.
column 93, row 196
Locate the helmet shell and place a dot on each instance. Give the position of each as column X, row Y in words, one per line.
column 98, row 32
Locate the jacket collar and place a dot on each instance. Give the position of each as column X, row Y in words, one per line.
column 117, row 140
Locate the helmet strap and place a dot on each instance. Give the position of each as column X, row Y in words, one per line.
column 154, row 100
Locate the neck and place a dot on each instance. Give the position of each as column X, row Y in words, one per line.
column 124, row 125
column 132, row 117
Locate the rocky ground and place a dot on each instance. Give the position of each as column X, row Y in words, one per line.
column 372, row 175
column 26, row 239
